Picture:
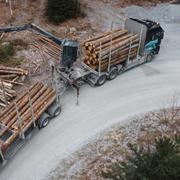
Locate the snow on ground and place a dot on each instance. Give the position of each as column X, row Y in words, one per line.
column 137, row 91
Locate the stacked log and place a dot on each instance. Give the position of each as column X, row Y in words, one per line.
column 6, row 93
column 18, row 115
column 112, row 46
column 12, row 71
column 47, row 46
column 8, row 78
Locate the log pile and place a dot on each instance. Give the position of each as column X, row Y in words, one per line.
column 113, row 45
column 6, row 93
column 18, row 116
column 46, row 46
column 8, row 78
column 11, row 72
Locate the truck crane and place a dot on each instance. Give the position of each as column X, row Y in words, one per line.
column 72, row 70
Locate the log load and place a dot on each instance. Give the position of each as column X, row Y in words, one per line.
column 17, row 117
column 9, row 77
column 113, row 46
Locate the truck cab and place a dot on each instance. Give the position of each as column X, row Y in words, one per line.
column 154, row 35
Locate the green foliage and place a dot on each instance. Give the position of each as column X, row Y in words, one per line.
column 6, row 50
column 60, row 10
column 163, row 163
column 6, row 55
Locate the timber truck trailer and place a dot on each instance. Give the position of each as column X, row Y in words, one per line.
column 73, row 72
column 34, row 108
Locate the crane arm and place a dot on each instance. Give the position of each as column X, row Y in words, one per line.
column 14, row 28
column 31, row 27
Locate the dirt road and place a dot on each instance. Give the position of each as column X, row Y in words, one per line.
column 137, row 91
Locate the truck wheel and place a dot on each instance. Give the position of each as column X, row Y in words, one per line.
column 43, row 121
column 1, row 160
column 101, row 81
column 113, row 73
column 54, row 110
column 149, row 57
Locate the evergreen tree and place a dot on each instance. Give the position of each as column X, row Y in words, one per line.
column 60, row 10
column 161, row 164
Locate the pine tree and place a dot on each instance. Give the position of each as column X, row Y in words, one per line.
column 60, row 10
column 161, row 164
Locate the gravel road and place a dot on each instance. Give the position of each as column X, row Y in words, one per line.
column 139, row 90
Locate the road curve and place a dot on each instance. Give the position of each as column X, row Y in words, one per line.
column 139, row 90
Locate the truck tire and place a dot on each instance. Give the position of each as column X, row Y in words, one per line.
column 54, row 110
column 149, row 57
column 101, row 80
column 1, row 160
column 113, row 73
column 43, row 121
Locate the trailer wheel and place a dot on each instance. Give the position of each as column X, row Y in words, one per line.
column 54, row 110
column 101, row 81
column 43, row 121
column 113, row 73
column 1, row 160
column 149, row 57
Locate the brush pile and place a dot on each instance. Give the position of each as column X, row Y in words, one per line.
column 8, row 78
column 113, row 46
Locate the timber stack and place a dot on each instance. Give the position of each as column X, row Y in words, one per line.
column 114, row 46
column 8, row 78
column 46, row 46
column 11, row 72
column 19, row 116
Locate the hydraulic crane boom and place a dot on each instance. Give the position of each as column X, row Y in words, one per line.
column 31, row 27
column 69, row 47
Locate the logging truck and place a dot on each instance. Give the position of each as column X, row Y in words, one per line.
column 95, row 61
column 111, row 54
